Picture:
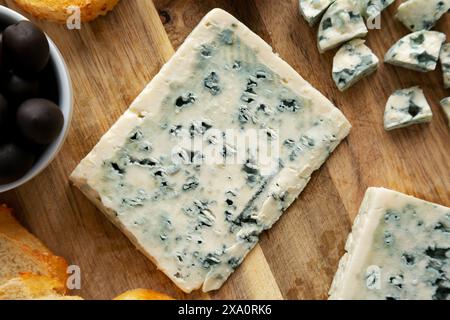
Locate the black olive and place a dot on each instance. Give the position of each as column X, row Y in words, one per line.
column 3, row 112
column 40, row 120
column 2, row 62
column 26, row 48
column 15, row 162
column 18, row 89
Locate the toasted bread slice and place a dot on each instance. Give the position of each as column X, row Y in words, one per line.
column 16, row 258
column 10, row 227
column 57, row 10
column 20, row 251
column 30, row 286
column 58, row 297
column 143, row 294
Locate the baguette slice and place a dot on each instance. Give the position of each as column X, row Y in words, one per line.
column 10, row 227
column 58, row 297
column 30, row 286
column 20, row 252
column 143, row 294
column 57, row 10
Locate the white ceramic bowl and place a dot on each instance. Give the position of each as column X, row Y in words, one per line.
column 8, row 16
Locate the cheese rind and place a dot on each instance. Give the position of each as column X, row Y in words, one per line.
column 417, row 51
column 406, row 107
column 312, row 10
column 445, row 64
column 341, row 22
column 422, row 14
column 353, row 61
column 399, row 248
column 445, row 104
column 195, row 209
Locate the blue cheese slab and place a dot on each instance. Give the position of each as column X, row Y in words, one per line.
column 445, row 103
column 353, row 61
column 312, row 10
column 445, row 63
column 419, row 15
column 211, row 153
column 399, row 248
column 373, row 8
column 417, row 51
column 341, row 22
column 406, row 107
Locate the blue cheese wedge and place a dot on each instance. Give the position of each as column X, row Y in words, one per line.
column 417, row 51
column 211, row 153
column 341, row 22
column 399, row 248
column 353, row 61
column 372, row 8
column 445, row 63
column 419, row 15
column 406, row 107
column 445, row 103
column 312, row 10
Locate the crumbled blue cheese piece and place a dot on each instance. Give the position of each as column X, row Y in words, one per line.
column 177, row 173
column 341, row 22
column 445, row 103
column 406, row 107
column 422, row 14
column 445, row 63
column 417, row 51
column 312, row 10
column 399, row 248
column 372, row 8
column 353, row 61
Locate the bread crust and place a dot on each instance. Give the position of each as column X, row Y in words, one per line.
column 49, row 264
column 143, row 294
column 29, row 245
column 29, row 286
column 56, row 266
column 57, row 10
column 10, row 227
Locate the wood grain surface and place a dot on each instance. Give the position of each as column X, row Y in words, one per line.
column 112, row 59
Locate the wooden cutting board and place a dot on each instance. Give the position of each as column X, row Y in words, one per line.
column 113, row 58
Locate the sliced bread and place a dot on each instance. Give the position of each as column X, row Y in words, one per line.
column 21, row 252
column 30, row 286
column 9, row 226
column 60, row 10
column 143, row 294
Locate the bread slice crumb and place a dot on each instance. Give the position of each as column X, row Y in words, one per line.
column 20, row 252
column 30, row 286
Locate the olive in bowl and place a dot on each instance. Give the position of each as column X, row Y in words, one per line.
column 35, row 100
column 26, row 48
